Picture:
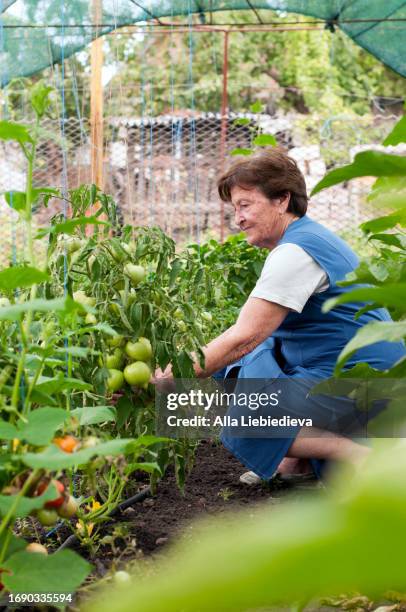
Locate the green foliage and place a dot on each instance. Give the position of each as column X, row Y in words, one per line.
column 385, row 271
column 52, row 458
column 21, row 276
column 56, row 323
column 368, row 163
column 235, row 267
column 21, row 506
column 303, row 550
column 62, row 572
column 380, row 331
column 14, row 131
column 39, row 428
column 398, row 134
column 317, row 72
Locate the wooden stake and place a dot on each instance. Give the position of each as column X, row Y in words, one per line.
column 96, row 100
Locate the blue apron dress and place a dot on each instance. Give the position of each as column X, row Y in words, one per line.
column 307, row 344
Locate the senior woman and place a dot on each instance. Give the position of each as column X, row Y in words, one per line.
column 281, row 326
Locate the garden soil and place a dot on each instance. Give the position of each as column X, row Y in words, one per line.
column 212, row 487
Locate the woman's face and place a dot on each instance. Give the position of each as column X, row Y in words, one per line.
column 261, row 219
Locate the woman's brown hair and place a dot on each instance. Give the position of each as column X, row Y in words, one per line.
column 272, row 172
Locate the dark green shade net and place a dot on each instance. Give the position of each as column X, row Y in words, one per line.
column 27, row 50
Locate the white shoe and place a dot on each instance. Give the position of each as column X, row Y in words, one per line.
column 250, row 478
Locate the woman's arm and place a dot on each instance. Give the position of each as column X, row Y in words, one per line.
column 257, row 320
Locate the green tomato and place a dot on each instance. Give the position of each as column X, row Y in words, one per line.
column 182, row 325
column 137, row 373
column 114, row 361
column 4, row 302
column 147, row 343
column 74, row 257
column 126, row 247
column 91, row 260
column 69, row 508
column 115, row 341
column 132, row 296
column 122, row 577
column 114, row 308
column 178, row 314
column 135, row 273
column 140, row 350
column 90, row 319
column 47, row 517
column 83, row 299
column 70, row 243
column 90, row 442
column 115, row 380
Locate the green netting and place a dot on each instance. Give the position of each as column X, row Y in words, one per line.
column 55, row 29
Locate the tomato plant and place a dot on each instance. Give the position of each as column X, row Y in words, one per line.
column 95, row 317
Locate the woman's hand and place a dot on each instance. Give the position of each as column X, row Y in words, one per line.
column 163, row 379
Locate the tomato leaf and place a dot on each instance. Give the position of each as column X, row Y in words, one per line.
column 256, row 107
column 53, row 458
column 396, row 240
column 264, row 140
column 25, row 505
column 390, row 295
column 60, row 383
column 144, row 441
column 242, row 121
column 7, row 431
column 69, row 226
column 398, row 134
column 151, row 468
column 21, row 276
column 241, row 151
column 14, row 544
column 91, row 415
column 377, row 331
column 14, row 312
column 41, row 426
column 383, row 223
column 39, row 97
column 62, row 572
column 14, row 131
column 75, row 351
column 16, row 200
column 367, row 163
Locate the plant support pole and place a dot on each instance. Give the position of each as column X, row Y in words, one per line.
column 96, row 99
column 223, row 133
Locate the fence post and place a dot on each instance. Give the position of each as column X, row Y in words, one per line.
column 223, row 134
column 96, row 98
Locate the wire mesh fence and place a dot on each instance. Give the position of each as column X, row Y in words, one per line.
column 163, row 170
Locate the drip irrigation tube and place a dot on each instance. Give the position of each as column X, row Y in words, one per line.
column 139, row 497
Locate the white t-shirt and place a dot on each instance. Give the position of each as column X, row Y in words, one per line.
column 289, row 277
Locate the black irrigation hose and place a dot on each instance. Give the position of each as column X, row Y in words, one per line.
column 139, row 497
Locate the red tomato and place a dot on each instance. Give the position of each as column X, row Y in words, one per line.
column 67, row 444
column 53, row 503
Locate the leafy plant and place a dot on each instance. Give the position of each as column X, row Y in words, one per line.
column 258, row 137
column 384, row 272
column 66, row 325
